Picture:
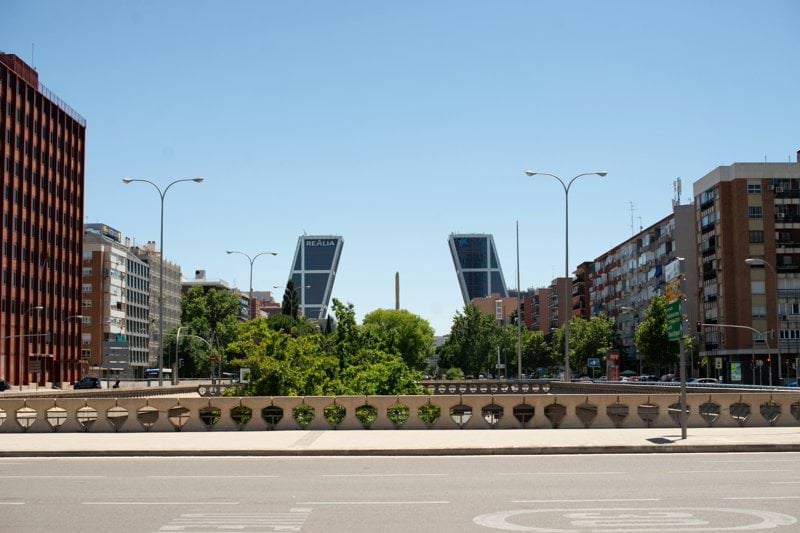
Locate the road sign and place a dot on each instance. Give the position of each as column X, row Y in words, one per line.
column 718, row 363
column 759, row 362
column 674, row 331
column 674, row 311
column 593, row 362
column 674, row 320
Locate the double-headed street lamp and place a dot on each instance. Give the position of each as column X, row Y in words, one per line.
column 567, row 278
column 753, row 261
column 161, row 270
column 252, row 260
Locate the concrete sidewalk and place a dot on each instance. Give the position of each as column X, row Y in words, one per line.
column 402, row 442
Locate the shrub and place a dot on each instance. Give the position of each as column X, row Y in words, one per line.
column 303, row 414
column 335, row 414
column 429, row 413
column 398, row 414
column 366, row 414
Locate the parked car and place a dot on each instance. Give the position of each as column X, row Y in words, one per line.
column 670, row 377
column 88, row 382
column 703, row 380
column 4, row 385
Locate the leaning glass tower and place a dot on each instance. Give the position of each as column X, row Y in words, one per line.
column 316, row 260
column 477, row 265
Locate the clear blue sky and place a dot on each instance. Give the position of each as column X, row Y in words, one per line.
column 395, row 124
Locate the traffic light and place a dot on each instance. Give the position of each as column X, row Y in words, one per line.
column 769, row 359
column 698, row 327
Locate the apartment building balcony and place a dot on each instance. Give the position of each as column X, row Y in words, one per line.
column 785, row 192
column 712, row 250
column 707, row 228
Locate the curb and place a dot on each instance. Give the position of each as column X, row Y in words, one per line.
column 378, row 452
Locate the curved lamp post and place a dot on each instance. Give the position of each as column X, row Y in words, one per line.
column 252, row 260
column 162, row 194
column 567, row 278
column 752, row 261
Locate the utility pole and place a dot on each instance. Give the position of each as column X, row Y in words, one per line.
column 397, row 291
column 519, row 314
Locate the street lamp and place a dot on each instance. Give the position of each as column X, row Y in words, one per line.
column 752, row 261
column 566, row 187
column 161, row 193
column 252, row 260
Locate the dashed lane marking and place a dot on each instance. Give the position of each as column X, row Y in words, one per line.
column 209, row 522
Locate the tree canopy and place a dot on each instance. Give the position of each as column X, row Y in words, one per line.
column 401, row 333
column 289, row 357
column 657, row 351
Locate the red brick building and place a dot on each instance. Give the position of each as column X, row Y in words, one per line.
column 42, row 157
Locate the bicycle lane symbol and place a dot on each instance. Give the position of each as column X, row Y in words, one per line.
column 632, row 519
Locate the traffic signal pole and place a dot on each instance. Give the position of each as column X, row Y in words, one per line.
column 761, row 334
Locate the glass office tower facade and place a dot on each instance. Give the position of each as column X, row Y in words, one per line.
column 316, row 260
column 477, row 266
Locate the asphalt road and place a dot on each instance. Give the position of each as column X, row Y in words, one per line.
column 578, row 494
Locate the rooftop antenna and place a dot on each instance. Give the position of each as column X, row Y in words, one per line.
column 676, row 188
column 32, row 63
column 632, row 210
column 640, row 224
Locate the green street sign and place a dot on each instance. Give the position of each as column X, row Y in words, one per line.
column 674, row 311
column 674, row 331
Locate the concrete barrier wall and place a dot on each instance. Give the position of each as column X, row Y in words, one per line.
column 534, row 411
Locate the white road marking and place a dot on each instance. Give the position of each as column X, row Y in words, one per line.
column 432, row 502
column 607, row 519
column 211, row 503
column 756, row 461
column 719, row 471
column 559, row 473
column 208, row 477
column 589, row 501
column 382, row 475
column 51, row 477
column 763, row 498
column 784, row 482
column 12, row 503
column 280, row 521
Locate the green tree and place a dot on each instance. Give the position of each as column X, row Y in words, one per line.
column 401, row 333
column 591, row 338
column 192, row 352
column 212, row 314
column 291, row 303
column 282, row 364
column 348, row 339
column 473, row 342
column 376, row 372
column 657, row 351
column 290, row 325
column 536, row 351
